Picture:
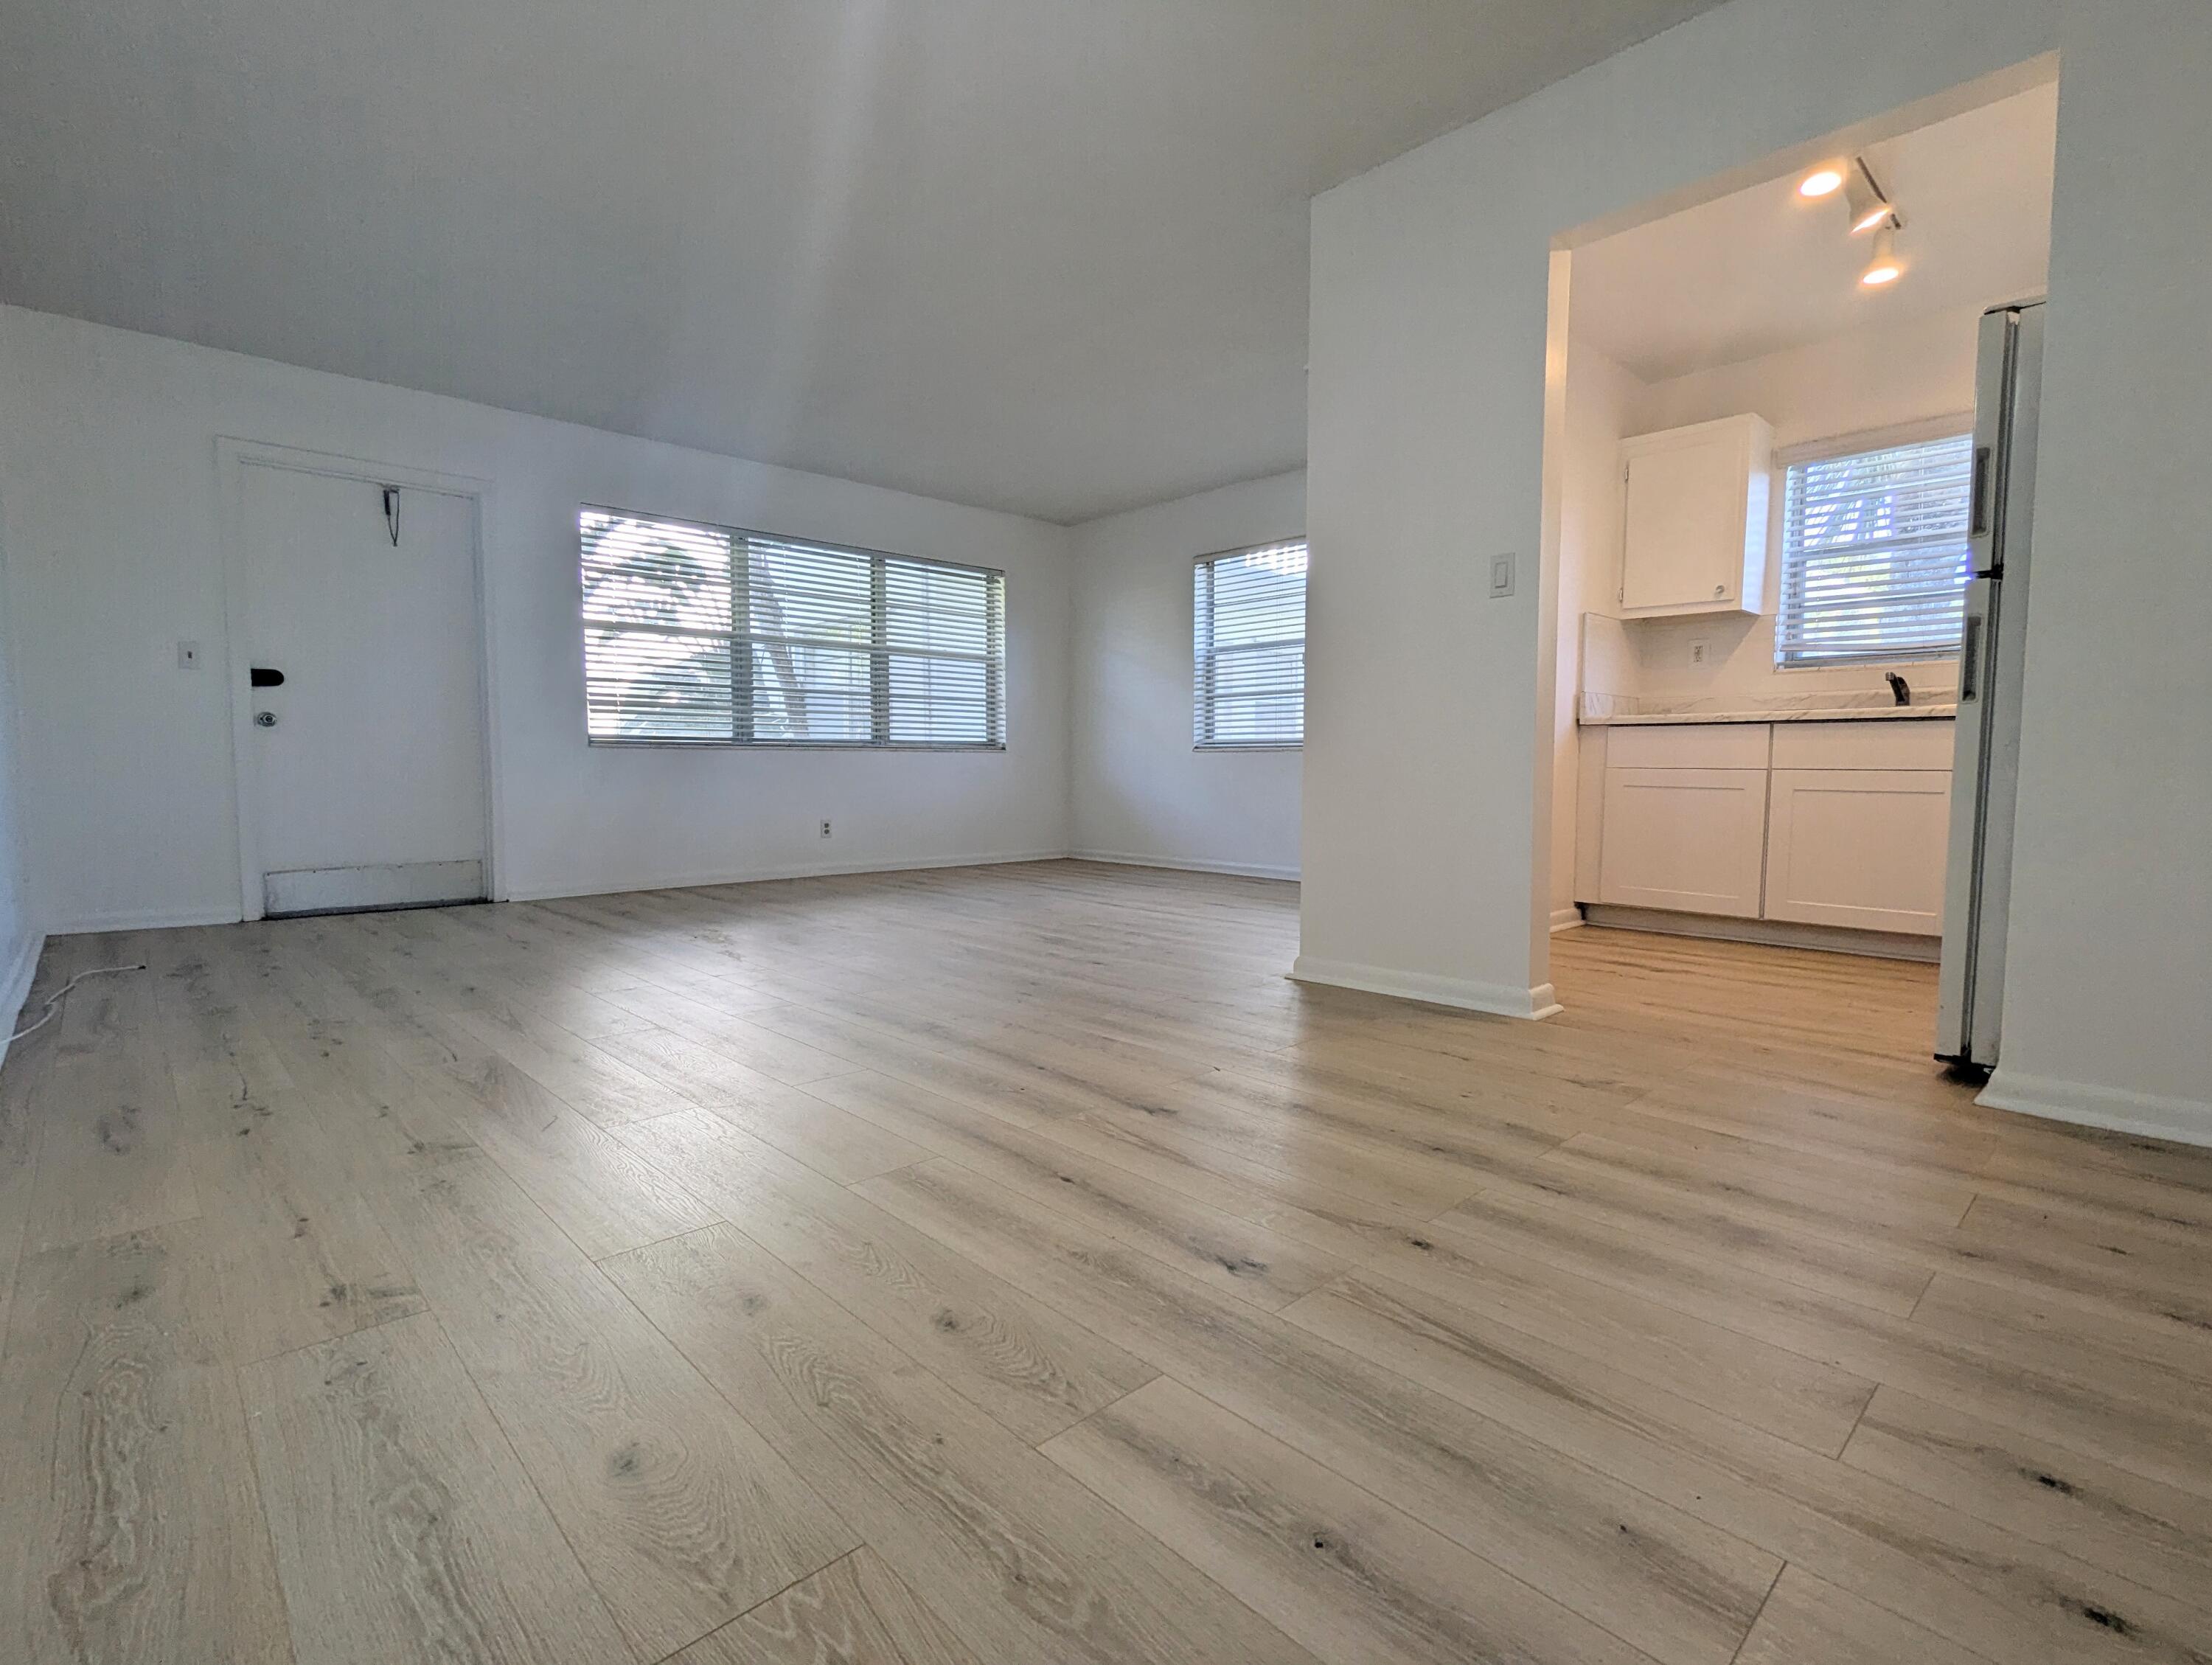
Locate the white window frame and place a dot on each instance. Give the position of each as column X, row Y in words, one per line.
column 879, row 650
column 1205, row 653
column 1948, row 426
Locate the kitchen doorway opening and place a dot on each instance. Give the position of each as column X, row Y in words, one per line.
column 1789, row 447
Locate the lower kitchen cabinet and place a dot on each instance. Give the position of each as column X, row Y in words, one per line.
column 1837, row 826
column 1862, row 848
column 1692, row 839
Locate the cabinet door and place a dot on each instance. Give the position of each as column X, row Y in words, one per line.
column 1859, row 847
column 1683, row 521
column 1692, row 839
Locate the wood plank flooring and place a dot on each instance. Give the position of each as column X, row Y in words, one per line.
column 1008, row 1266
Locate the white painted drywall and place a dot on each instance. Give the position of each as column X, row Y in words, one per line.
column 2108, row 998
column 20, row 935
column 109, row 514
column 1601, row 401
column 1426, row 420
column 1141, row 792
column 1885, row 376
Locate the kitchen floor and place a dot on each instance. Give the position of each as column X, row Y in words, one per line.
column 1009, row 1266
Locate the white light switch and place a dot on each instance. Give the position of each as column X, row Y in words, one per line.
column 188, row 656
column 1501, row 575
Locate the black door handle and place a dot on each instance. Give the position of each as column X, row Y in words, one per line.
column 262, row 675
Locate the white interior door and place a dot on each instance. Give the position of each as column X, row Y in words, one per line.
column 365, row 785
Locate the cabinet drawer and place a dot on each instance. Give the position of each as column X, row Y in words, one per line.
column 1692, row 839
column 1896, row 743
column 1858, row 848
column 1689, row 745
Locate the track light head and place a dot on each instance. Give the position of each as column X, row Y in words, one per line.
column 1869, row 207
column 1884, row 268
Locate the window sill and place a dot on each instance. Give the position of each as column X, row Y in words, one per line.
column 1948, row 656
column 785, row 745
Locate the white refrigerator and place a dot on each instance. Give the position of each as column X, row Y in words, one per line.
column 1992, row 659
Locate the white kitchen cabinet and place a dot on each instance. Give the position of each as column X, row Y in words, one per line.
column 1689, row 839
column 1838, row 826
column 1859, row 847
column 1694, row 518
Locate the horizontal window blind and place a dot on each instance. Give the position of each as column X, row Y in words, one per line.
column 1248, row 611
column 710, row 636
column 1876, row 556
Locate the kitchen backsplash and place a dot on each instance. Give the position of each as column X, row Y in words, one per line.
column 1650, row 658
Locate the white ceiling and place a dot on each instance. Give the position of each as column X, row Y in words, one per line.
column 1044, row 255
column 1765, row 270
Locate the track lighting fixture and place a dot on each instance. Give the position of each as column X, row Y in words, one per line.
column 1822, row 182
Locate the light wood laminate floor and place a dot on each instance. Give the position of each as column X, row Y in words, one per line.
column 1009, row 1266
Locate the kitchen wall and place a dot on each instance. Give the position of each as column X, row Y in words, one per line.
column 1141, row 792
column 1882, row 377
column 1602, row 397
column 1431, row 282
column 109, row 515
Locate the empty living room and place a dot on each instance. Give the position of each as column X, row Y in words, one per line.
column 1332, row 832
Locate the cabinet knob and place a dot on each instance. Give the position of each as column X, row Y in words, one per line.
column 1720, row 589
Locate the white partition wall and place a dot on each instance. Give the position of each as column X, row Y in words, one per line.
column 20, row 934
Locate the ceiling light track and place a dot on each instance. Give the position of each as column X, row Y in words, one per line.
column 1870, row 204
column 1870, row 209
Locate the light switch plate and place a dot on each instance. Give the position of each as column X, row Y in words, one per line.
column 188, row 656
column 1501, row 575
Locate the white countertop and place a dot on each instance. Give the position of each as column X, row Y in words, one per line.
column 1601, row 711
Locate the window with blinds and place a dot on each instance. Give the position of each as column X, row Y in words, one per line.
column 704, row 635
column 1249, row 610
column 1874, row 554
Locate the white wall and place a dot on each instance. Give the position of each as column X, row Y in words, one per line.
column 2108, row 997
column 1601, row 400
column 1141, row 792
column 20, row 936
column 109, row 515
column 1885, row 376
column 1430, row 280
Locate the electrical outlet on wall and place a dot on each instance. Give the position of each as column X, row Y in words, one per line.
column 1701, row 652
column 825, row 830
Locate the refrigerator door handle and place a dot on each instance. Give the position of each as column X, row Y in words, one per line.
column 1983, row 457
column 1970, row 659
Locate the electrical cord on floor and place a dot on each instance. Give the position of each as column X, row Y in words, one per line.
column 54, row 999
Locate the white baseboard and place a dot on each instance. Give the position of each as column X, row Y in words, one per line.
column 1502, row 999
column 2184, row 1121
column 1772, row 933
column 1184, row 864
column 149, row 919
column 620, row 884
column 16, row 987
column 1566, row 919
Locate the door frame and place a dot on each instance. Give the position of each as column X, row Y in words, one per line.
column 233, row 458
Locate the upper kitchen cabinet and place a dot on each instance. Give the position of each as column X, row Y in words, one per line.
column 1694, row 518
